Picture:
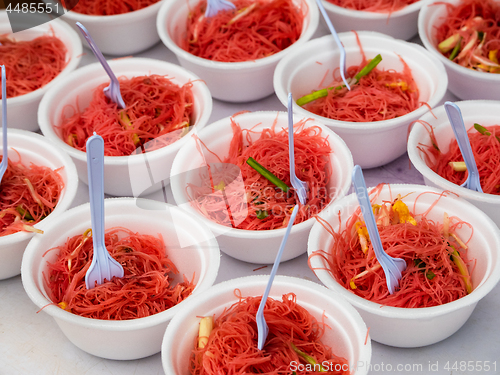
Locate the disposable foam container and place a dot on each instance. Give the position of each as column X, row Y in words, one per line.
column 347, row 333
column 407, row 327
column 135, row 338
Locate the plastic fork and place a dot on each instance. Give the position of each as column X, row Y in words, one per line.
column 5, row 157
column 339, row 43
column 393, row 267
column 457, row 123
column 262, row 328
column 113, row 90
column 215, row 6
column 299, row 186
column 103, row 266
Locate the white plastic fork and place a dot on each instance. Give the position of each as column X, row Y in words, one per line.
column 215, row 6
column 393, row 267
column 337, row 40
column 113, row 90
column 457, row 123
column 299, row 186
column 5, row 151
column 262, row 328
column 103, row 266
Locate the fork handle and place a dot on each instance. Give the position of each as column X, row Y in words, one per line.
column 4, row 116
column 95, row 161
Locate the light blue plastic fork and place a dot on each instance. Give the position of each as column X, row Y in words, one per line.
column 215, row 6
column 457, row 123
column 113, row 90
column 339, row 43
column 299, row 186
column 393, row 267
column 103, row 265
column 5, row 157
column 301, row 189
column 262, row 328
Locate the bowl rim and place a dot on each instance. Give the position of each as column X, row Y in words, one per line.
column 367, row 15
column 307, row 33
column 70, row 186
column 421, row 166
column 136, row 63
column 373, row 127
column 146, row 12
column 430, row 7
column 57, row 313
column 255, row 234
column 398, row 312
column 225, row 287
column 73, row 60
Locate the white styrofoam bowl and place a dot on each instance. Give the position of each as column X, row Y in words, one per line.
column 465, row 83
column 22, row 110
column 390, row 325
column 259, row 246
column 121, row 34
column 484, row 112
column 132, row 175
column 302, row 71
column 400, row 24
column 135, row 338
column 34, row 148
column 229, row 81
column 347, row 335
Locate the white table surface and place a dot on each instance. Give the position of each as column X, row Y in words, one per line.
column 32, row 343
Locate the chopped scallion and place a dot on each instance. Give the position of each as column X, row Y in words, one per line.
column 267, row 174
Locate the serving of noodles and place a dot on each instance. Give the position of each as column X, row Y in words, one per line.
column 379, row 6
column 485, row 144
column 255, row 29
column 376, row 96
column 256, row 203
column 470, row 34
column 437, row 264
column 28, row 194
column 294, row 338
column 31, row 64
column 145, row 289
column 110, row 7
column 157, row 109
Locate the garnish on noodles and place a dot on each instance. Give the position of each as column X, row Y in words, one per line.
column 110, row 7
column 375, row 94
column 470, row 35
column 379, row 6
column 158, row 112
column 28, row 194
column 31, row 64
column 436, row 257
column 145, row 289
column 238, row 195
column 255, row 29
column 485, row 144
column 228, row 344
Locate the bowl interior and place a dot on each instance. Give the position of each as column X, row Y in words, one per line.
column 57, row 28
column 368, row 15
column 77, row 91
column 188, row 244
column 311, row 68
column 346, row 335
column 32, row 148
column 218, row 136
column 484, row 112
column 173, row 29
column 482, row 247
